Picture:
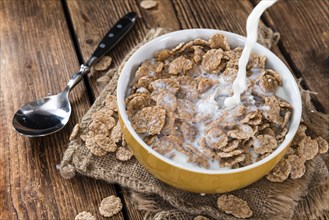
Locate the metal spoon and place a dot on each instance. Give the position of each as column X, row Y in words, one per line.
column 50, row 114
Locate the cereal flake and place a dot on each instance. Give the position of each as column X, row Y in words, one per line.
column 105, row 143
column 189, row 131
column 162, row 55
column 231, row 146
column 138, row 101
column 180, row 65
column 274, row 109
column 308, row 148
column 323, row 145
column 219, row 41
column 111, row 102
column 198, row 53
column 196, row 157
column 103, row 64
column 188, row 88
column 149, row 120
column 212, row 60
column 123, row 154
column 206, row 150
column 297, row 166
column 300, row 134
column 169, row 126
column 149, row 139
column 266, row 144
column 234, row 205
column 216, row 139
column 168, row 84
column 230, row 154
column 165, row 99
column 269, row 81
column 231, row 161
column 116, row 134
column 148, row 69
column 280, row 172
column 242, row 132
column 148, row 4
column 205, row 84
column 98, row 127
column 109, row 122
column 185, row 109
column 85, row 216
column 110, row 206
column 75, row 132
column 256, row 61
column 94, row 148
column 200, row 217
column 166, row 144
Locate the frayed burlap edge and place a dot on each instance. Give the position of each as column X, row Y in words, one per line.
column 82, row 163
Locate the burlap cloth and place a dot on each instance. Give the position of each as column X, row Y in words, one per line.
column 304, row 198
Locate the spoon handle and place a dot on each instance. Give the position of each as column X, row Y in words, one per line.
column 115, row 34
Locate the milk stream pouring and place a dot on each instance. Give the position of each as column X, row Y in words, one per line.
column 239, row 84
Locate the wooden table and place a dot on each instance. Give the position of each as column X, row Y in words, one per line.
column 43, row 42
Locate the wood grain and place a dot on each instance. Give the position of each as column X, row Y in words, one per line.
column 163, row 15
column 225, row 15
column 92, row 19
column 37, row 58
column 304, row 28
column 90, row 28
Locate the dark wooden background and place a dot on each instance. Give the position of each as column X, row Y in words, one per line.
column 42, row 42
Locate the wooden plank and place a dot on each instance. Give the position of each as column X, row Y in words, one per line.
column 91, row 20
column 304, row 28
column 37, row 58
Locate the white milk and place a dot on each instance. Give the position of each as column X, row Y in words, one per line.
column 210, row 105
column 239, row 85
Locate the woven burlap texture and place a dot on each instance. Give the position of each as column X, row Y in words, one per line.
column 306, row 197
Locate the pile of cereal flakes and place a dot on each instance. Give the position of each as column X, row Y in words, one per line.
column 171, row 105
column 103, row 134
column 302, row 149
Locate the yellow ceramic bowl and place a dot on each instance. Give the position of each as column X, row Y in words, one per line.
column 198, row 179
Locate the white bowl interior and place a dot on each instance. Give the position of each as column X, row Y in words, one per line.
column 289, row 91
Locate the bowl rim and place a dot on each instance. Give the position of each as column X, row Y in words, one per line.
column 121, row 91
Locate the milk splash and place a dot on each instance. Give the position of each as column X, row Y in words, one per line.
column 239, row 84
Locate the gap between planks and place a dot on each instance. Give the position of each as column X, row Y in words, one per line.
column 76, row 45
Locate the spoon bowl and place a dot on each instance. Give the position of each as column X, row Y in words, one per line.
column 44, row 116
